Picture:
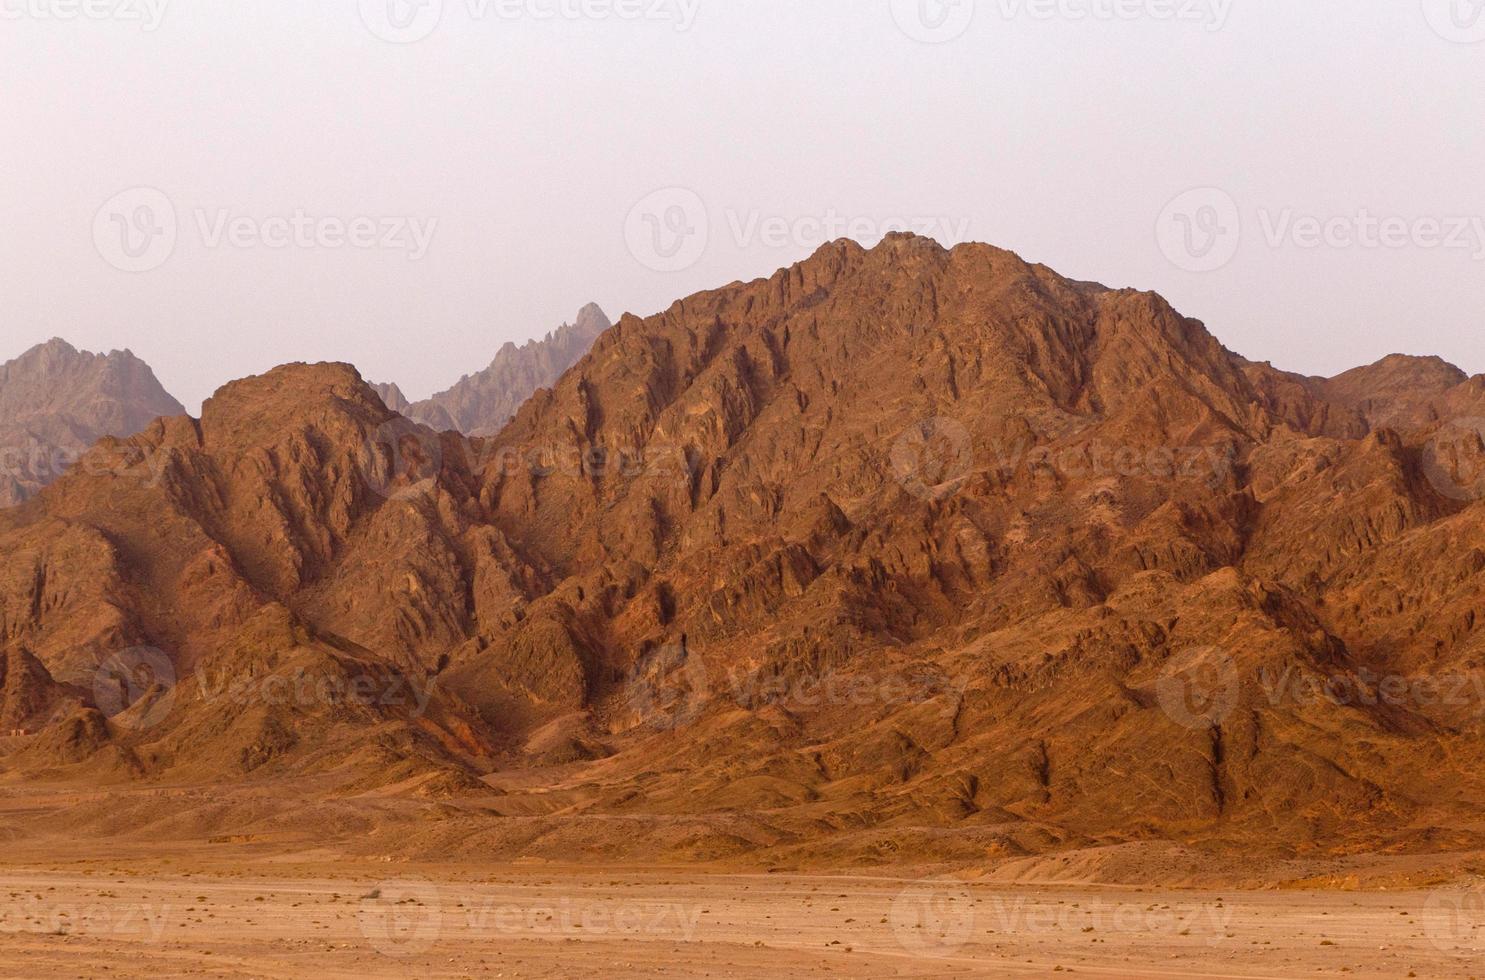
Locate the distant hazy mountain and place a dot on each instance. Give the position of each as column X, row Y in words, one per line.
column 56, row 401
column 392, row 397
column 482, row 403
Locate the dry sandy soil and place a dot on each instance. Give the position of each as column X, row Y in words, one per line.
column 307, row 916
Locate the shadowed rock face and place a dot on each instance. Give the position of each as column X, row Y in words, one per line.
column 894, row 541
column 480, row 404
column 56, row 401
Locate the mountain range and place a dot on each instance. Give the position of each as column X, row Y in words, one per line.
column 902, row 553
column 56, row 401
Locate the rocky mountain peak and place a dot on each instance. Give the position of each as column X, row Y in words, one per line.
column 55, row 401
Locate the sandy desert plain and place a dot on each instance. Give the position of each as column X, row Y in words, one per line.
column 294, row 906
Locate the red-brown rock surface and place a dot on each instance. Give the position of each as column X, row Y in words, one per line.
column 899, row 552
column 56, row 401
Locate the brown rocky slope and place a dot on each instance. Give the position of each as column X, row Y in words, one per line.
column 899, row 552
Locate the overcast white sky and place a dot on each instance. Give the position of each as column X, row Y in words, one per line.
column 525, row 142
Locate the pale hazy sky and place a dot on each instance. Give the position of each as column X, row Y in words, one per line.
column 518, row 147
